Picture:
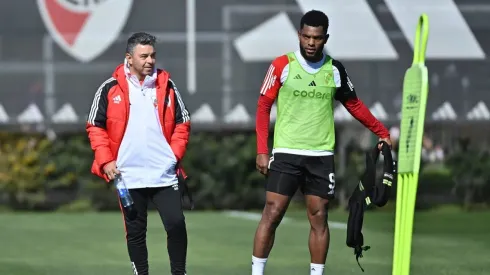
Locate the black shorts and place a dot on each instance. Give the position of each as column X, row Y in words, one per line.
column 314, row 175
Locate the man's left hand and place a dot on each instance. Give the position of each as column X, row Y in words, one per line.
column 387, row 140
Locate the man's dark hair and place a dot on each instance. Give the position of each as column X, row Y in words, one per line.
column 315, row 18
column 140, row 38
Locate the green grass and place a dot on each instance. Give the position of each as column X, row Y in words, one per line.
column 88, row 244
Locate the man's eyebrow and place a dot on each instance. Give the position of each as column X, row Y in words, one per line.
column 153, row 53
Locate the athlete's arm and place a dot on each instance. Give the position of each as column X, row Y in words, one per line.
column 268, row 94
column 346, row 94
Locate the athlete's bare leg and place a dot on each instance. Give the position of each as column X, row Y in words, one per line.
column 274, row 210
column 319, row 240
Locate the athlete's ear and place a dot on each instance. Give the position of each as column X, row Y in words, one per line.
column 129, row 58
column 326, row 37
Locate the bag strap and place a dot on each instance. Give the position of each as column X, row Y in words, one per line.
column 183, row 183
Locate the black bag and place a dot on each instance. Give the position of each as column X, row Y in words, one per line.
column 368, row 192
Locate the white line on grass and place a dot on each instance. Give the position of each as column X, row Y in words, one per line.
column 256, row 217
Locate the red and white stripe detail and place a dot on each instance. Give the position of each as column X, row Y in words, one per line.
column 269, row 80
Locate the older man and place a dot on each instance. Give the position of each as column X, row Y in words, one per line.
column 139, row 127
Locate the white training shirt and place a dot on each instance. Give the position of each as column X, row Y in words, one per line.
column 145, row 158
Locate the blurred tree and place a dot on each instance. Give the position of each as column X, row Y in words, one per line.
column 470, row 170
column 23, row 170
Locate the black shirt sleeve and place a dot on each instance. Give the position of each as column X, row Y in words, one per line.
column 346, row 89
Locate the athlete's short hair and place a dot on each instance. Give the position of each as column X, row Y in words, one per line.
column 140, row 38
column 315, row 18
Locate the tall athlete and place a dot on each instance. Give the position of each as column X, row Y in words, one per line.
column 305, row 84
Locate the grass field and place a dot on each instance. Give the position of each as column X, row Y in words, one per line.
column 93, row 244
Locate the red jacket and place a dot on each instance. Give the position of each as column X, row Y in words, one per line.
column 108, row 118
